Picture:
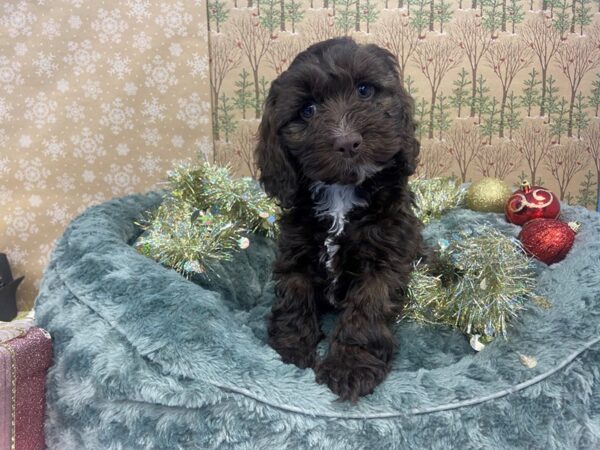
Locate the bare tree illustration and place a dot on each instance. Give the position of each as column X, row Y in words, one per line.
column 474, row 40
column 243, row 147
column 544, row 40
column 318, row 29
column 224, row 155
column 435, row 59
column 591, row 137
column 533, row 143
column 497, row 160
column 594, row 31
column 224, row 57
column 254, row 41
column 433, row 159
column 507, row 58
column 464, row 143
column 575, row 59
column 395, row 33
column 282, row 52
column 564, row 161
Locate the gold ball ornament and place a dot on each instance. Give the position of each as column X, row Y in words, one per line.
column 487, row 195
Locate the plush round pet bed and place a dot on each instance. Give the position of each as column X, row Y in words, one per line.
column 145, row 359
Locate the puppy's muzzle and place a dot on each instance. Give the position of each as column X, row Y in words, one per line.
column 348, row 144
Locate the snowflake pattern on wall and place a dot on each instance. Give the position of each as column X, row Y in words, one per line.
column 10, row 74
column 90, row 94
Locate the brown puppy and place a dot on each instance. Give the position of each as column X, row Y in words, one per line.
column 336, row 147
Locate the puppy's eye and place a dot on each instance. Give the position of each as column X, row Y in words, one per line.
column 308, row 110
column 365, row 90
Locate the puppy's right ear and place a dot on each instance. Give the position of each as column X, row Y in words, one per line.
column 277, row 173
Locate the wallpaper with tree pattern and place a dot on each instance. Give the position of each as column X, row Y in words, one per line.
column 504, row 88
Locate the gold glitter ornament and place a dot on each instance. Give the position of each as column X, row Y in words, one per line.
column 487, row 195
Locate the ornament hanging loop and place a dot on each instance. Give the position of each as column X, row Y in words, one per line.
column 525, row 186
column 575, row 226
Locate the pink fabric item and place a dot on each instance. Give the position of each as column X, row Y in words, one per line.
column 32, row 357
column 6, row 426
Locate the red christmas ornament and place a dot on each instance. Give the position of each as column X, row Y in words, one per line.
column 531, row 202
column 549, row 240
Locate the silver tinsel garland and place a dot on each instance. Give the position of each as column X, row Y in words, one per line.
column 483, row 279
column 485, row 282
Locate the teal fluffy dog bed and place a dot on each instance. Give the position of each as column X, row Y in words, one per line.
column 145, row 359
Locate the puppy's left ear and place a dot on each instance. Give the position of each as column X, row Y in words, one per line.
column 407, row 158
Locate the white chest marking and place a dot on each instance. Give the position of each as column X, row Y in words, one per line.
column 335, row 201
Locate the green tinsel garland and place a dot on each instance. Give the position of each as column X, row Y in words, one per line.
column 485, row 281
column 482, row 282
column 434, row 196
column 207, row 216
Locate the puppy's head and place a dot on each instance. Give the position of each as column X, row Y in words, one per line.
column 339, row 114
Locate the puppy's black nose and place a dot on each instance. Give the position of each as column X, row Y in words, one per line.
column 347, row 144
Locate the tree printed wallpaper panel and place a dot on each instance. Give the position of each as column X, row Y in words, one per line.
column 504, row 88
column 97, row 99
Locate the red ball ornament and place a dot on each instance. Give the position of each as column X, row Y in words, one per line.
column 531, row 202
column 549, row 240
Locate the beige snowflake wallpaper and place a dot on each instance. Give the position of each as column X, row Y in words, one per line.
column 97, row 99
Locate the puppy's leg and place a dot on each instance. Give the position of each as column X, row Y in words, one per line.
column 362, row 344
column 294, row 330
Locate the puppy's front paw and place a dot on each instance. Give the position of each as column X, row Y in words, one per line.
column 303, row 358
column 351, row 375
column 300, row 354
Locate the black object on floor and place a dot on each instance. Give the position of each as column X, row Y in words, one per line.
column 8, row 290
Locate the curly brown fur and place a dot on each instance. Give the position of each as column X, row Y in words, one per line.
column 354, row 151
